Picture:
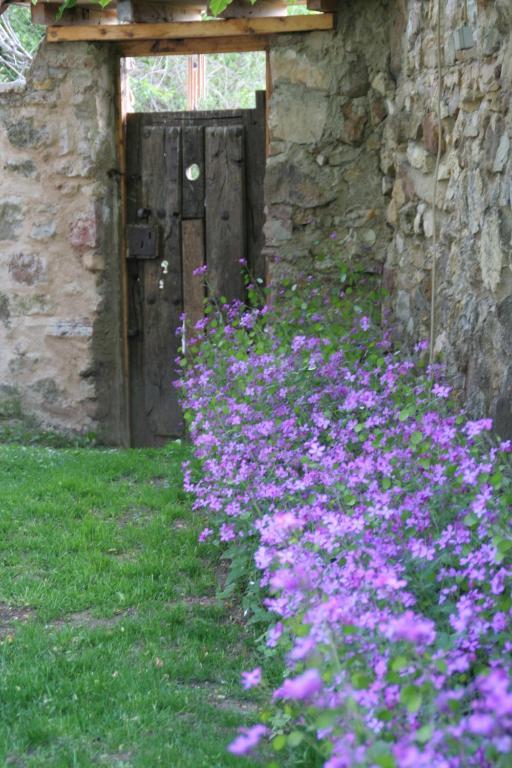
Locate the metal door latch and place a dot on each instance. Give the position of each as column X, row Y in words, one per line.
column 142, row 241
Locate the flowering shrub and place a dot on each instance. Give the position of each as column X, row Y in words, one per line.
column 371, row 522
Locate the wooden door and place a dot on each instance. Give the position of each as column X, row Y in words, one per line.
column 194, row 196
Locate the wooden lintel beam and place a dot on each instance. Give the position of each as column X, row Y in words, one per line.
column 192, row 29
column 189, row 46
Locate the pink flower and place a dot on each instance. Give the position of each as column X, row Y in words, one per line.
column 251, row 679
column 248, row 739
column 302, row 687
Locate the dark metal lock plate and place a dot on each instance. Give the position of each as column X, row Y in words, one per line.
column 142, row 242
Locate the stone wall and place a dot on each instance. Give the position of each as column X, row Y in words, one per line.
column 60, row 348
column 474, row 291
column 352, row 138
column 327, row 112
column 350, row 176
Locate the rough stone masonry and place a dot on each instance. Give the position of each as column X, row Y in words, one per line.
column 350, row 178
column 60, row 338
column 354, row 138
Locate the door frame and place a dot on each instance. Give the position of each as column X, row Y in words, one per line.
column 145, row 48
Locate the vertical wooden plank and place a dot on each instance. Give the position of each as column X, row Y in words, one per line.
column 193, row 155
column 162, row 283
column 192, row 233
column 120, row 116
column 135, row 276
column 224, row 205
column 254, row 121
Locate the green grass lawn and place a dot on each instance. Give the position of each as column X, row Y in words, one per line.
column 113, row 648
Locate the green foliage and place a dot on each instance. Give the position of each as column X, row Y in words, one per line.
column 126, row 657
column 19, row 39
column 160, row 83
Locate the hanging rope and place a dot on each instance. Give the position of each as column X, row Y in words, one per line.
column 433, row 286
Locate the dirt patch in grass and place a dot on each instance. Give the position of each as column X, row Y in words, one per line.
column 139, row 515
column 204, row 602
column 11, row 617
column 216, row 696
column 160, row 482
column 87, row 620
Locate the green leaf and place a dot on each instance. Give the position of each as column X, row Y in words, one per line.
column 279, row 742
column 411, row 697
column 424, row 734
column 217, row 6
column 361, row 680
column 380, row 754
column 399, row 663
column 416, row 438
column 325, row 720
column 295, row 738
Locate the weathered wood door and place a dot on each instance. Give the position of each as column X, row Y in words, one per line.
column 194, row 184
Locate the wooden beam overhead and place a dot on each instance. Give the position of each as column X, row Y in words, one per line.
column 189, row 46
column 192, row 29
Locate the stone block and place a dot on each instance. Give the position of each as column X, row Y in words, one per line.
column 83, row 232
column 43, row 231
column 297, row 116
column 11, row 219
column 496, row 144
column 293, row 66
column 502, row 154
column 430, row 128
column 5, row 312
column 491, row 251
column 26, row 268
column 80, row 328
column 23, row 134
column 355, row 118
column 355, row 82
column 26, row 168
column 419, row 158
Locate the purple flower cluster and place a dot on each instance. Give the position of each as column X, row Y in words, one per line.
column 377, row 519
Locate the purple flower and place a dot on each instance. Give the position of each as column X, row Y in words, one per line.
column 481, row 724
column 200, row 271
column 412, row 628
column 205, row 533
column 301, row 688
column 248, row 739
column 474, row 428
column 251, row 679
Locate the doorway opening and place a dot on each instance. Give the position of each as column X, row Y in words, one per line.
column 193, row 201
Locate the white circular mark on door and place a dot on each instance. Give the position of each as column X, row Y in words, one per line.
column 193, row 172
